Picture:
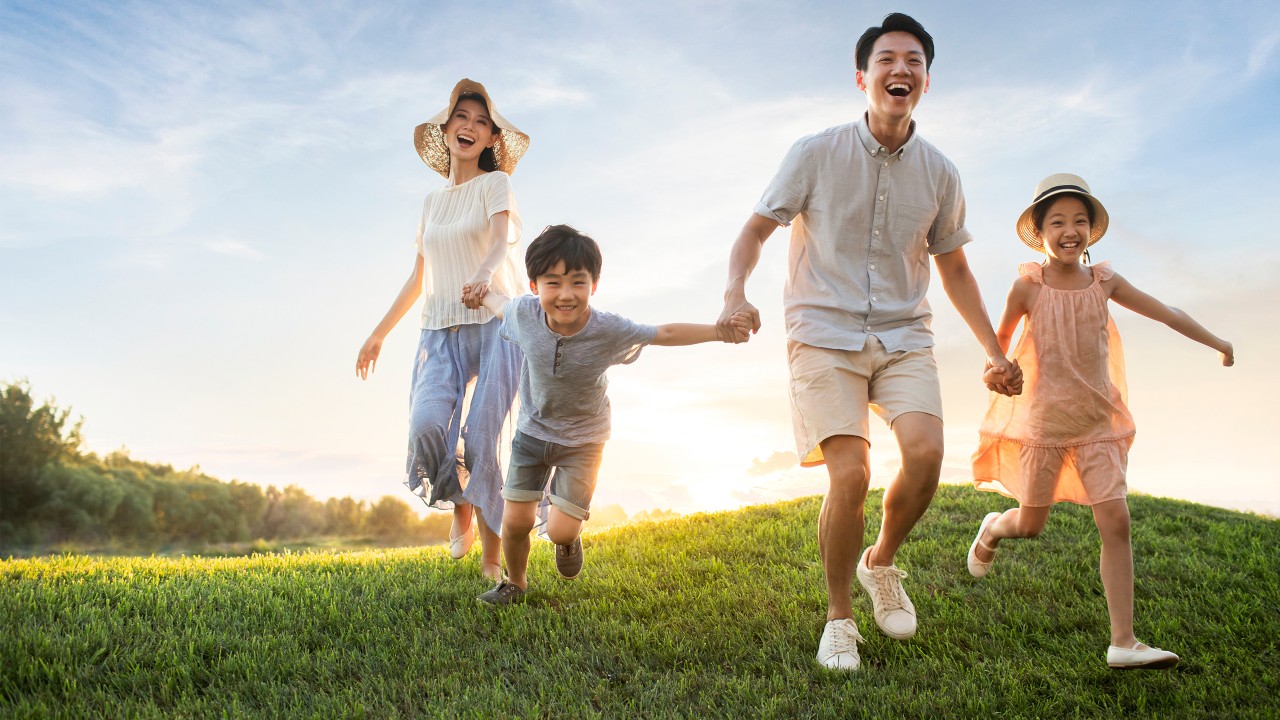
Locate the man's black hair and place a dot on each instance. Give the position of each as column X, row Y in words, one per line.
column 893, row 22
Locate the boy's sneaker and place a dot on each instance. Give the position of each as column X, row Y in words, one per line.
column 894, row 612
column 504, row 593
column 569, row 559
column 838, row 649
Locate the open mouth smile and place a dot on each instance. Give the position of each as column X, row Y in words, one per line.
column 465, row 141
column 898, row 89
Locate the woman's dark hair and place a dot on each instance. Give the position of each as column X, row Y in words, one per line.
column 893, row 22
column 1042, row 208
column 488, row 160
column 561, row 242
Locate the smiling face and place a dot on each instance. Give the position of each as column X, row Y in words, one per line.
column 565, row 296
column 1065, row 230
column 896, row 76
column 469, row 131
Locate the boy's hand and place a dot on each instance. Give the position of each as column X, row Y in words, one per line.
column 1228, row 355
column 473, row 295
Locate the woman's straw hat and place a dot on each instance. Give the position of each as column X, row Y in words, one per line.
column 430, row 141
column 1056, row 185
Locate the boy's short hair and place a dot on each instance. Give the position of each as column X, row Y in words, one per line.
column 893, row 22
column 561, row 242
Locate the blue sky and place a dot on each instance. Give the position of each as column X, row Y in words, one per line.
column 204, row 209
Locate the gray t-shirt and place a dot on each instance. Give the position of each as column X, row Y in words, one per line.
column 866, row 222
column 562, row 382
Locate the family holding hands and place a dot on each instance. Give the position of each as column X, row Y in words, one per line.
column 868, row 204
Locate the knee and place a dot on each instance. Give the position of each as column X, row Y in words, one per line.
column 562, row 535
column 849, row 485
column 516, row 527
column 924, row 457
column 1030, row 528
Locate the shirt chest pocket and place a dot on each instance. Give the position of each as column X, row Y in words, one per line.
column 910, row 227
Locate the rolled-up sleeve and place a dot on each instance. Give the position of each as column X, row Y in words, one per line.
column 789, row 190
column 948, row 232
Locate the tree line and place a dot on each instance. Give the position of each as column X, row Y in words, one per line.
column 53, row 492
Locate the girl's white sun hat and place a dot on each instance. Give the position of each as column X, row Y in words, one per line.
column 429, row 138
column 1058, row 184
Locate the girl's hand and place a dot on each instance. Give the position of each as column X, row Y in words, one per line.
column 1228, row 355
column 1004, row 379
column 367, row 360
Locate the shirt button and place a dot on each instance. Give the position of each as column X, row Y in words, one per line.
column 873, row 298
column 876, row 232
column 881, row 197
column 886, row 163
column 873, row 266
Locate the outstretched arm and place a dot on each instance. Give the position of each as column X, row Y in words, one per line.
column 739, row 328
column 367, row 360
column 494, row 301
column 962, row 289
column 742, row 260
column 498, row 248
column 1124, row 293
column 1016, row 307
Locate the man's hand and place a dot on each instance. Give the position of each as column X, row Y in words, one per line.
column 738, row 320
column 1003, row 376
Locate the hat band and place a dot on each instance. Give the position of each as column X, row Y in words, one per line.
column 1056, row 188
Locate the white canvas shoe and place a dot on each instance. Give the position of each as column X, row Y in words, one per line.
column 895, row 614
column 838, row 649
column 458, row 546
column 1151, row 658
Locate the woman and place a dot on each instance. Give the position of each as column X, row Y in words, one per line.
column 465, row 377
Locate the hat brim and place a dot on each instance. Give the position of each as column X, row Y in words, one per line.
column 1026, row 227
column 433, row 148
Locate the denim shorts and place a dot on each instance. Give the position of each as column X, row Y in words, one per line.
column 573, row 483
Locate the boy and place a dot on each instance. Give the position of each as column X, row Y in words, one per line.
column 564, row 411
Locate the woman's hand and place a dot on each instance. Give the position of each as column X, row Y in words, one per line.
column 367, row 360
column 475, row 289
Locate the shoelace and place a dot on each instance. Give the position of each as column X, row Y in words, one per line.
column 844, row 639
column 889, row 594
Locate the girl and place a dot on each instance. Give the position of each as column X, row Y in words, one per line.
column 1067, row 436
column 465, row 377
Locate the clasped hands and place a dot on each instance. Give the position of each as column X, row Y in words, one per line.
column 1003, row 376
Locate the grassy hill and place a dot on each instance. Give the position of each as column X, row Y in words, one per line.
column 710, row 615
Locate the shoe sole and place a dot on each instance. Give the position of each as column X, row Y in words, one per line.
column 1153, row 665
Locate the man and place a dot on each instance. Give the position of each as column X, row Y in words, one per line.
column 870, row 200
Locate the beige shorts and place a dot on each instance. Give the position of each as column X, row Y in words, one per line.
column 832, row 389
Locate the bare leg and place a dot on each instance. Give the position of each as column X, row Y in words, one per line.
column 518, row 519
column 490, row 549
column 840, row 524
column 562, row 528
column 1112, row 519
column 461, row 519
column 1019, row 522
column 919, row 438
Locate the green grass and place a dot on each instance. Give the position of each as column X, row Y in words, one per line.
column 704, row 616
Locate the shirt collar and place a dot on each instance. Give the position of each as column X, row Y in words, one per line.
column 873, row 146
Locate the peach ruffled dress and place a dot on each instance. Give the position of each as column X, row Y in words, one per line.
column 1067, row 436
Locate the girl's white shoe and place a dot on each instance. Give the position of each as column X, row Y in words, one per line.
column 1150, row 658
column 977, row 568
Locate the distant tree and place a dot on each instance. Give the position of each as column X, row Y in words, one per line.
column 31, row 438
column 344, row 516
column 390, row 518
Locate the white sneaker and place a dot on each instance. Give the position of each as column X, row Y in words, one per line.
column 894, row 612
column 838, row 649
